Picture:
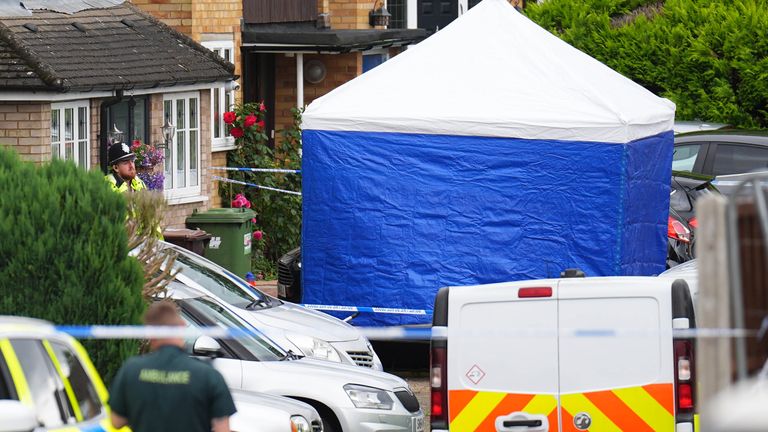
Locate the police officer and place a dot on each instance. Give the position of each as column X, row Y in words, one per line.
column 166, row 390
column 123, row 177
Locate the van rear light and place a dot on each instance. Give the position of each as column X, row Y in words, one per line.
column 684, row 369
column 439, row 385
column 676, row 230
column 685, row 396
column 534, row 292
column 685, row 378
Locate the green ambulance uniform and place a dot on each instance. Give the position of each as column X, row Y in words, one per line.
column 168, row 391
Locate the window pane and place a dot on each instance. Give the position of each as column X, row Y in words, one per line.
column 685, row 157
column 68, row 124
column 82, row 159
column 193, row 158
column 216, row 113
column 82, row 125
column 56, row 150
column 82, row 387
column 69, row 150
column 45, row 388
column 737, row 159
column 55, row 114
column 181, row 161
column 228, row 55
column 168, row 164
column 227, row 100
column 139, row 119
column 193, row 113
column 180, row 120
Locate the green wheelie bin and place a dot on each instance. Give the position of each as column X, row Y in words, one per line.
column 231, row 230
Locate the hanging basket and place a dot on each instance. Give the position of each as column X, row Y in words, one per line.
column 152, row 176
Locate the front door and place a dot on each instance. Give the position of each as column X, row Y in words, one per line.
column 436, row 14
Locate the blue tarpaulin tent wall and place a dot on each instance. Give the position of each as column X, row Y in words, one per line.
column 405, row 191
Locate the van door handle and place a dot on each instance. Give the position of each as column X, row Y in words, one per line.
column 522, row 422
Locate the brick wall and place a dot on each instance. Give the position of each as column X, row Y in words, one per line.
column 349, row 14
column 340, row 68
column 218, row 159
column 175, row 13
column 26, row 127
column 219, row 17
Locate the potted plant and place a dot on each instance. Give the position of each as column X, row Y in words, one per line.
column 149, row 160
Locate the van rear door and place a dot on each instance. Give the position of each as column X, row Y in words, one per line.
column 503, row 357
column 616, row 355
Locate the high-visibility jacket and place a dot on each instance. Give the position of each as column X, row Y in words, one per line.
column 136, row 185
column 120, row 185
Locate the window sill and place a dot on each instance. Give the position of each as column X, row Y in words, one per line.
column 186, row 199
column 221, row 148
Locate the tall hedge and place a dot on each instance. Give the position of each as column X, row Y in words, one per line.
column 64, row 255
column 710, row 57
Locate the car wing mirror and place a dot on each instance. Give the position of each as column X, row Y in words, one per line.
column 206, row 346
column 17, row 417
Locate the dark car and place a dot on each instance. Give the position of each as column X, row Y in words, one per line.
column 289, row 276
column 721, row 152
column 686, row 189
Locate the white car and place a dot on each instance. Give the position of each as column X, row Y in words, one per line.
column 304, row 331
column 47, row 381
column 348, row 398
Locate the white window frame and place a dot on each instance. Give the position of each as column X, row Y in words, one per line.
column 172, row 191
column 59, row 110
column 219, row 95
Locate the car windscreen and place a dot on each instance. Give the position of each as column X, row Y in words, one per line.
column 217, row 283
column 214, row 313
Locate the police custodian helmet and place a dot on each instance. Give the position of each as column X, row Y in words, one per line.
column 119, row 152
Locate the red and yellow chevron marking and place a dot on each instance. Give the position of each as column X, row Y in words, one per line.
column 649, row 408
column 470, row 410
column 636, row 409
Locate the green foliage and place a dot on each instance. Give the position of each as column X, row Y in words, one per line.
column 279, row 214
column 64, row 253
column 710, row 57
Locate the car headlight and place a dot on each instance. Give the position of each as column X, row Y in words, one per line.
column 300, row 424
column 368, row 397
column 314, row 347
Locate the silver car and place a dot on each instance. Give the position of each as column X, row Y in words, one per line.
column 348, row 398
column 304, row 331
column 268, row 413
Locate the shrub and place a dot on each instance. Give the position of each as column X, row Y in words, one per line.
column 279, row 214
column 64, row 254
column 710, row 57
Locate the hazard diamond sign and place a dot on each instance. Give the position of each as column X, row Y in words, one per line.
column 475, row 374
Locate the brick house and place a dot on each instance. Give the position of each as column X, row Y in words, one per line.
column 70, row 71
column 294, row 51
column 214, row 24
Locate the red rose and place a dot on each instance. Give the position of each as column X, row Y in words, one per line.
column 250, row 120
column 262, row 107
column 236, row 132
column 229, row 117
column 261, row 124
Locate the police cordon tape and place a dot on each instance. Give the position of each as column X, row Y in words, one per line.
column 226, row 180
column 381, row 310
column 262, row 170
column 389, row 333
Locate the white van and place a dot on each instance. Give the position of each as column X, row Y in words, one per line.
column 571, row 354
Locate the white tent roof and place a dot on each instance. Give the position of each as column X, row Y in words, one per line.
column 493, row 72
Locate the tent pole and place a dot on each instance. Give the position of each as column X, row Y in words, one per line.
column 299, row 80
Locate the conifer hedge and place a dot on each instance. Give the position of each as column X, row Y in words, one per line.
column 64, row 255
column 710, row 57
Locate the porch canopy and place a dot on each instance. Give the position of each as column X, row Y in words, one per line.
column 492, row 151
